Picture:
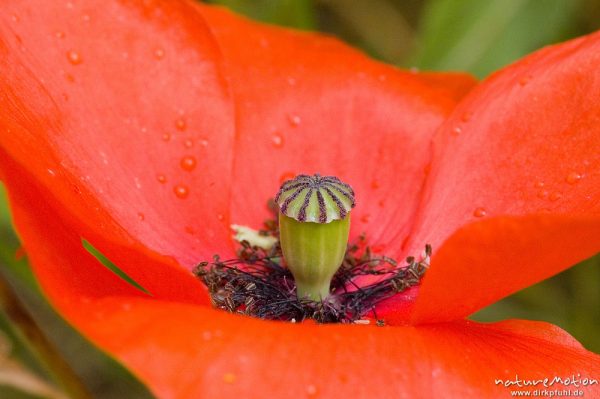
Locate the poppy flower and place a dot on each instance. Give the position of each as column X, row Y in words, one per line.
column 148, row 128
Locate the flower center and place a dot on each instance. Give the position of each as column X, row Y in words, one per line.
column 300, row 265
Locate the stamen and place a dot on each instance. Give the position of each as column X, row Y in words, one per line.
column 258, row 285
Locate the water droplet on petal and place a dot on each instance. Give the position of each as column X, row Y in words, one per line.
column 375, row 184
column 573, row 178
column 294, row 120
column 188, row 163
column 74, row 57
column 381, row 203
column 291, row 81
column 59, row 34
column 15, row 18
column 86, row 17
column 524, row 80
column 277, row 140
column 555, row 196
column 180, row 124
column 161, row 178
column 181, row 191
column 51, row 172
column 188, row 143
column 539, row 184
column 365, row 218
column 190, row 230
column 311, row 390
column 466, row 117
column 159, row 53
column 204, row 142
column 479, row 212
column 229, row 378
column 166, row 136
column 456, row 131
column 542, row 194
column 220, row 217
column 141, row 216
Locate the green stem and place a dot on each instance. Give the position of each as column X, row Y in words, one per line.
column 44, row 350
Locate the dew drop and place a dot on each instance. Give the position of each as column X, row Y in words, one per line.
column 539, row 184
column 15, row 18
column 161, row 179
column 190, row 230
column 166, row 136
column 542, row 194
column 188, row 143
column 277, row 140
column 229, row 378
column 181, row 191
column 365, row 218
column 382, row 78
column 180, row 124
column 51, row 172
column 466, row 117
column 291, row 81
column 294, row 120
column 59, row 34
column 86, row 17
column 141, row 216
column 74, row 57
column 220, row 217
column 188, row 163
column 159, row 53
column 555, row 196
column 206, row 335
column 456, row 131
column 479, row 212
column 524, row 80
column 573, row 178
column 375, row 184
column 311, row 390
column 381, row 203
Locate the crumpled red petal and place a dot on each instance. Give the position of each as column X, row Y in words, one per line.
column 525, row 142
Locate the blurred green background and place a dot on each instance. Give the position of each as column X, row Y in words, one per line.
column 478, row 36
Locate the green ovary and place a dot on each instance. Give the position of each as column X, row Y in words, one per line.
column 313, row 253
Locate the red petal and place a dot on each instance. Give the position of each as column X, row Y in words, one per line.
column 70, row 275
column 91, row 92
column 308, row 104
column 526, row 141
column 486, row 261
column 188, row 352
